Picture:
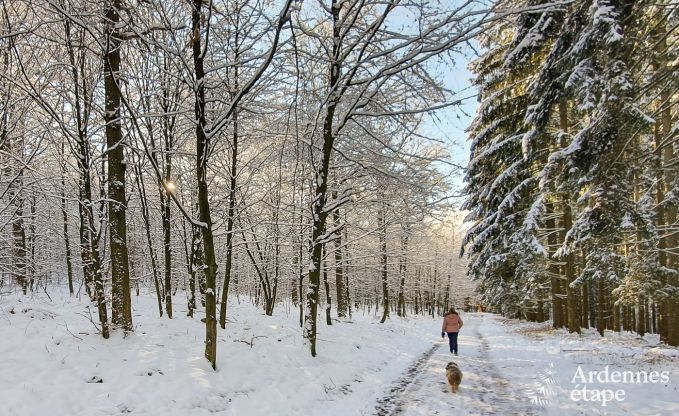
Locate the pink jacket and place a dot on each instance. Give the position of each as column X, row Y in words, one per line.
column 452, row 323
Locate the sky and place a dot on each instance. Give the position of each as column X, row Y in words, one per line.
column 455, row 120
column 450, row 123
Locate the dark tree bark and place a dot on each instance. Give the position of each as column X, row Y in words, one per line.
column 403, row 269
column 228, row 265
column 558, row 319
column 19, row 251
column 149, row 240
column 300, row 273
column 382, row 226
column 31, row 243
column 120, row 271
column 572, row 293
column 584, row 314
column 167, row 240
column 195, row 266
column 320, row 194
column 602, row 310
column 339, row 266
column 328, row 297
column 346, row 272
column 266, row 286
column 202, row 150
column 8, row 146
column 64, row 213
column 89, row 239
column 668, row 308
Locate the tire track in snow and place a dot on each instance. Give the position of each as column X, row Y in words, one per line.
column 423, row 389
column 495, row 392
column 393, row 402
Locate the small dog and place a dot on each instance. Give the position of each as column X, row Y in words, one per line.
column 454, row 376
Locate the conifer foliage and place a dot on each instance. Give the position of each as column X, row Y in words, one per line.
column 572, row 176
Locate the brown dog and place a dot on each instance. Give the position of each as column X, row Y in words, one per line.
column 454, row 376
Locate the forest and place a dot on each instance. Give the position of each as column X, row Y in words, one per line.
column 256, row 207
column 282, row 151
column 270, row 149
column 572, row 183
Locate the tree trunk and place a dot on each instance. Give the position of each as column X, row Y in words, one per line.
column 328, row 298
column 641, row 320
column 19, row 236
column 300, row 273
column 168, row 105
column 671, row 304
column 666, row 213
column 202, row 150
column 618, row 321
column 554, row 269
column 381, row 225
column 262, row 272
column 601, row 307
column 32, row 237
column 189, row 255
column 89, row 244
column 64, row 212
column 120, row 273
column 167, row 241
column 339, row 265
column 584, row 314
column 232, row 204
column 196, row 263
column 572, row 293
column 149, row 240
column 320, row 194
column 346, row 272
column 19, row 249
column 403, row 266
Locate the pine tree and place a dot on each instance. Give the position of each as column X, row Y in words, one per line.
column 591, row 113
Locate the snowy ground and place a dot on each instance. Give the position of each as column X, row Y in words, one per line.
column 513, row 368
column 53, row 363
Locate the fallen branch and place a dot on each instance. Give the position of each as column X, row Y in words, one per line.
column 89, row 318
column 252, row 340
column 69, row 331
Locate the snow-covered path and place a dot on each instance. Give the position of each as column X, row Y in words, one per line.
column 519, row 368
column 423, row 389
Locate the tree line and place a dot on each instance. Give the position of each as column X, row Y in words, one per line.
column 275, row 149
column 572, row 180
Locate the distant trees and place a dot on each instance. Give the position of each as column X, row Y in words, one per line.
column 575, row 128
column 372, row 74
column 286, row 141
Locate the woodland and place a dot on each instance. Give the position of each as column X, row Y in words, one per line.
column 275, row 150
column 285, row 152
column 572, row 182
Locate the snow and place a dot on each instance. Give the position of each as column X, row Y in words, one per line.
column 52, row 359
column 55, row 364
column 627, row 223
column 523, row 350
column 606, row 15
column 520, row 368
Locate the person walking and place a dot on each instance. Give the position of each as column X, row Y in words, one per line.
column 452, row 323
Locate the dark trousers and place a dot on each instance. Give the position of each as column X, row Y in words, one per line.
column 452, row 340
